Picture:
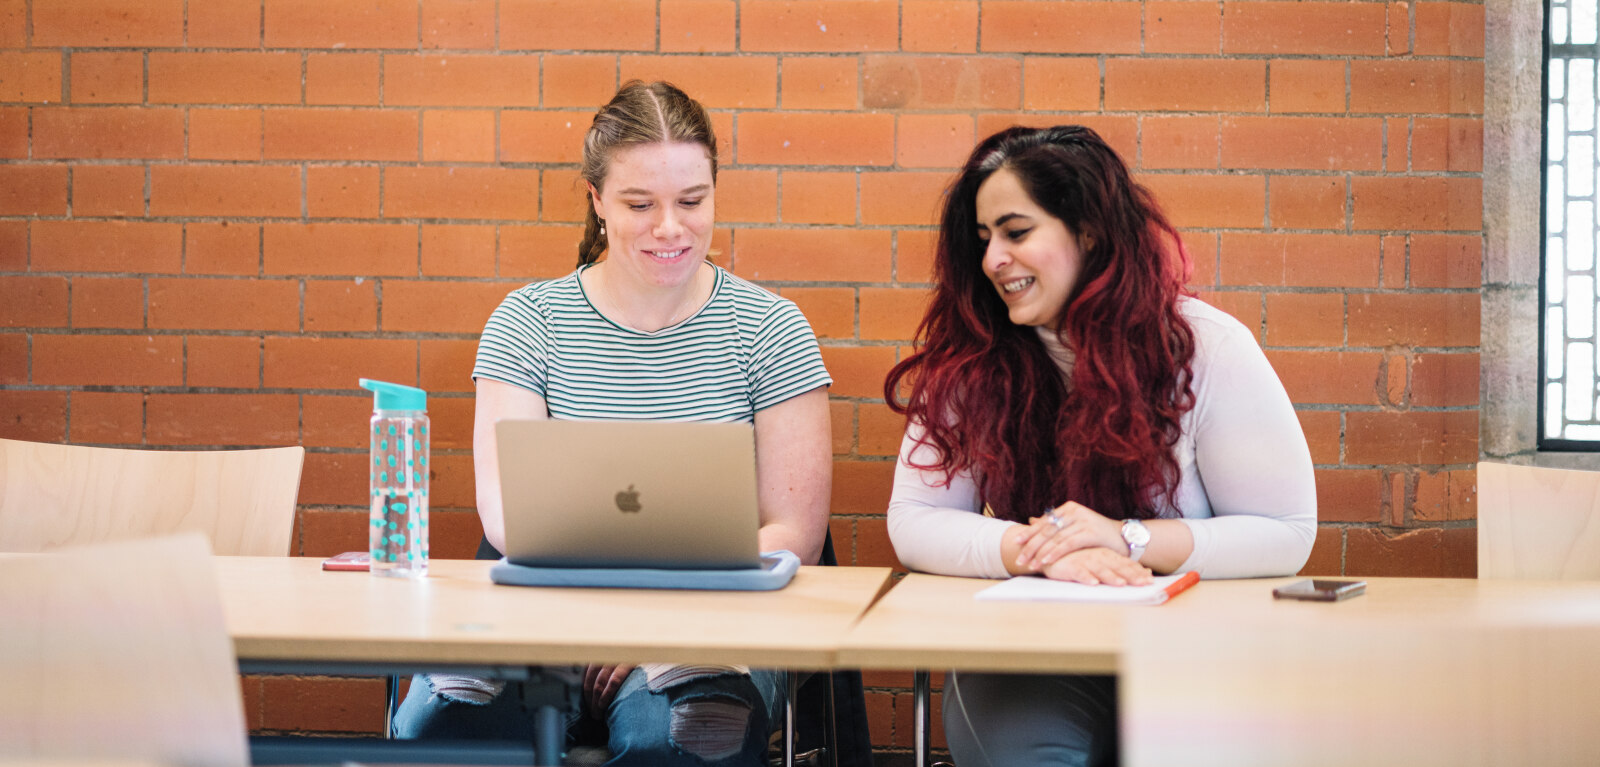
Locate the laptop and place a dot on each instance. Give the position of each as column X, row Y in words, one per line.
column 629, row 494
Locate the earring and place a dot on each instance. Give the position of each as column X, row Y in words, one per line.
column 602, row 228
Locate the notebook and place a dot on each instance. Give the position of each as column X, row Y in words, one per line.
column 1035, row 589
column 629, row 494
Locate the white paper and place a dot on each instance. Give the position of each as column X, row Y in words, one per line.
column 1028, row 588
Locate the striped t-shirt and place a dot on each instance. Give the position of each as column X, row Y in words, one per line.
column 745, row 350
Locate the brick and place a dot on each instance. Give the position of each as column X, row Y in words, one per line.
column 108, row 190
column 107, row 77
column 1447, row 143
column 841, row 422
column 13, row 23
column 106, row 246
column 913, row 260
column 819, row 197
column 818, row 25
column 747, row 195
column 553, row 137
column 461, row 80
column 538, row 252
column 108, row 303
column 221, row 248
column 1327, row 553
column 1417, row 87
column 340, row 134
column 1307, row 260
column 581, row 80
column 1202, row 251
column 858, row 371
column 1450, row 29
column 1416, row 437
column 459, row 24
column 1244, row 306
column 341, row 192
column 1309, row 28
column 1061, row 84
column 439, row 307
column 823, row 82
column 1349, row 495
column 452, row 482
column 698, row 26
column 1306, row 85
column 225, row 134
column 861, row 487
column 14, row 133
column 318, row 24
column 34, row 416
column 1209, row 85
column 458, row 251
column 565, row 197
column 1171, row 141
column 106, row 418
column 107, row 360
column 1328, row 377
column 1429, row 203
column 718, row 82
column 1060, row 27
column 447, row 365
column 1446, row 260
column 1305, row 319
column 1426, row 319
column 13, row 359
column 881, row 430
column 873, row 548
column 335, row 306
column 40, row 302
column 1425, row 553
column 892, row 314
column 30, row 76
column 225, row 304
column 1182, row 27
column 333, row 421
column 336, row 363
column 939, row 26
column 108, row 23
column 224, row 362
column 565, row 25
column 224, row 24
column 1444, row 380
column 824, row 255
column 451, row 419
column 1203, row 200
column 933, row 140
column 1322, row 429
column 1311, row 143
column 342, row 79
column 108, row 133
column 224, row 190
column 458, row 135
column 1444, row 496
column 1306, row 202
column 466, row 193
column 1395, row 371
column 222, row 419
column 344, row 249
column 324, row 704
column 767, row 138
column 224, row 78
column 831, row 311
column 902, row 198
column 940, row 82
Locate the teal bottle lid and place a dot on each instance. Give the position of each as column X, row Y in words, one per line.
column 393, row 396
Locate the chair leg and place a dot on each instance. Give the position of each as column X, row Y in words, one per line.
column 792, row 694
column 830, row 727
column 391, row 703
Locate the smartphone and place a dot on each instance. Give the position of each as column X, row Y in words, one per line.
column 1320, row 590
column 350, row 560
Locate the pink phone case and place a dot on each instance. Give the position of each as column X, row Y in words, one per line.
column 350, row 560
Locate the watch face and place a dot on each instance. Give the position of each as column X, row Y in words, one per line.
column 1135, row 533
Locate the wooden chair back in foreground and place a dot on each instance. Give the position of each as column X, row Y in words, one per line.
column 1537, row 523
column 118, row 650
column 62, row 495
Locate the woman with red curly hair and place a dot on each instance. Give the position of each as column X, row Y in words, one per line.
column 1072, row 413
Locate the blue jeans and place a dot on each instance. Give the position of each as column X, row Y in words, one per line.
column 1002, row 720
column 711, row 721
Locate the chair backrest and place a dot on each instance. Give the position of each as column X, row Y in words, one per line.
column 62, row 495
column 1200, row 689
column 1538, row 523
column 118, row 650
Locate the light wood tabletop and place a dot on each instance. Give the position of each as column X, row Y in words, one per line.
column 933, row 622
column 289, row 609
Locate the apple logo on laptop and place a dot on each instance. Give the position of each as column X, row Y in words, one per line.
column 628, row 500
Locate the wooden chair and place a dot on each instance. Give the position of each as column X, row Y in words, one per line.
column 1537, row 523
column 59, row 495
column 120, row 651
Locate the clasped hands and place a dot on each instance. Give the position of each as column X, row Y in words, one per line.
column 1074, row 543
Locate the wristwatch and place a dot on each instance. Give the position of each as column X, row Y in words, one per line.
column 1137, row 536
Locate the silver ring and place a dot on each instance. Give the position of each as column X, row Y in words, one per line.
column 1055, row 520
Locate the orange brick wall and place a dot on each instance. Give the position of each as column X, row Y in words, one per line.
column 215, row 216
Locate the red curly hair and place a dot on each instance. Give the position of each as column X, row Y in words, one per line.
column 990, row 398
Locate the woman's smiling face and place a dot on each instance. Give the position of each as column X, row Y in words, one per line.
column 1032, row 258
column 657, row 203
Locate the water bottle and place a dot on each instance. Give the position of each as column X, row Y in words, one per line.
column 398, row 534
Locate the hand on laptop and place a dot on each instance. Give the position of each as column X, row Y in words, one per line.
column 600, row 686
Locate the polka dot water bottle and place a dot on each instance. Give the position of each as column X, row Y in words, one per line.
column 398, row 532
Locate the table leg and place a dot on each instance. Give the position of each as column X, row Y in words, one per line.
column 791, row 698
column 550, row 696
column 392, row 694
column 921, row 691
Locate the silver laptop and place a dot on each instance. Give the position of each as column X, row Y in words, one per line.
column 679, row 496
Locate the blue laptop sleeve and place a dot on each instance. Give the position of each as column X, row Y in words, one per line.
column 776, row 570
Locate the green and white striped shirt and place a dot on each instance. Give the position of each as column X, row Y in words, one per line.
column 745, row 350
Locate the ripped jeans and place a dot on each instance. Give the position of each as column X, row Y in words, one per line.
column 709, row 721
